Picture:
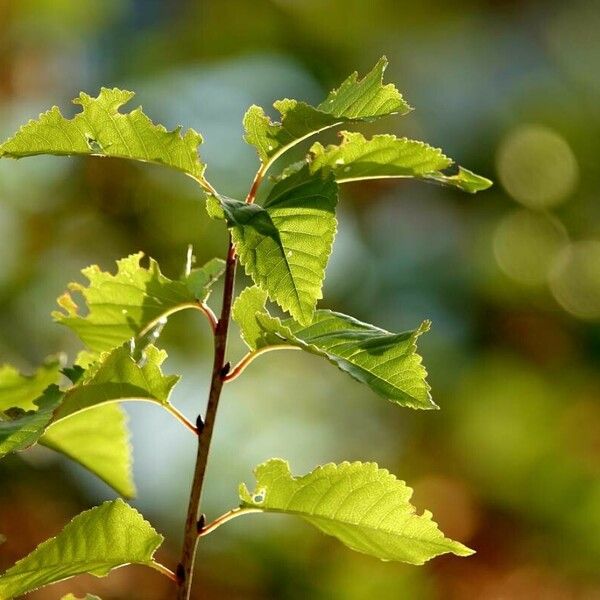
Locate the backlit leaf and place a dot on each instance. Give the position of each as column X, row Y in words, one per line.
column 75, row 426
column 387, row 362
column 96, row 541
column 100, row 129
column 363, row 506
column 285, row 244
column 387, row 156
column 20, row 391
column 132, row 302
column 20, row 429
column 355, row 100
column 98, row 439
column 117, row 377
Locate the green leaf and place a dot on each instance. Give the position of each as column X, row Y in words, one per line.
column 98, row 439
column 355, row 100
column 387, row 362
column 387, row 156
column 117, row 377
column 465, row 180
column 20, row 429
column 18, row 390
column 363, row 506
column 133, row 301
column 285, row 244
column 101, row 130
column 96, row 541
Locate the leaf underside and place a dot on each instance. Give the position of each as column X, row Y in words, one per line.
column 363, row 506
column 96, row 542
column 387, row 362
column 100, row 129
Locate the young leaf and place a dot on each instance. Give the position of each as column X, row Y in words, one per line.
column 387, row 362
column 20, row 429
column 117, row 377
column 363, row 506
column 98, row 439
column 96, row 541
column 355, row 100
column 20, row 391
column 132, row 301
column 285, row 244
column 387, row 156
column 101, row 130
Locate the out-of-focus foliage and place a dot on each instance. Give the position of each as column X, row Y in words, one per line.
column 510, row 464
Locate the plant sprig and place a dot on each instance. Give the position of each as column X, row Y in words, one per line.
column 283, row 244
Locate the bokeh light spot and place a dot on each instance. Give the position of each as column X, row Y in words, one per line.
column 575, row 279
column 525, row 245
column 537, row 167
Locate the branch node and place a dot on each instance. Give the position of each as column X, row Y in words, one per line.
column 199, row 424
column 201, row 522
column 180, row 574
column 225, row 370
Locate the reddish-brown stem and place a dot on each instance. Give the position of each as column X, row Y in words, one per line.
column 190, row 540
column 256, row 184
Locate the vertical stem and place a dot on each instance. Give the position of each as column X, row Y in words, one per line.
column 190, row 541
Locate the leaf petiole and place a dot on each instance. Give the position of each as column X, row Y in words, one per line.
column 241, row 366
column 163, row 570
column 228, row 516
column 181, row 417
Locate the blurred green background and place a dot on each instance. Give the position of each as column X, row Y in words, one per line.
column 510, row 279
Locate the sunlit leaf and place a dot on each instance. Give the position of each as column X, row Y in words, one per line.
column 285, row 244
column 98, row 439
column 20, row 429
column 20, row 391
column 355, row 100
column 118, row 377
column 96, row 541
column 465, row 180
column 100, row 129
column 387, row 156
column 74, row 425
column 387, row 362
column 363, row 506
column 132, row 302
